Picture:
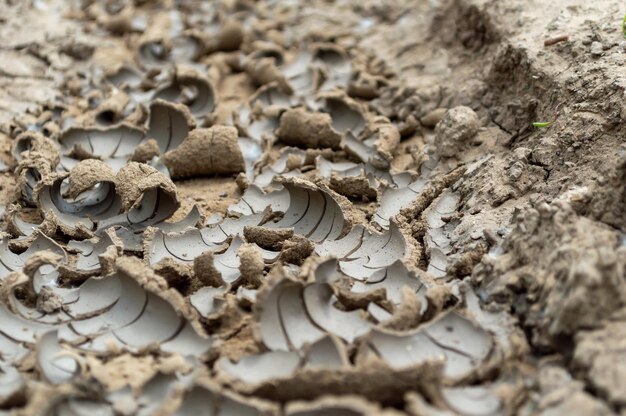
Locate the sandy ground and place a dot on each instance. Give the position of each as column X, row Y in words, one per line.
column 537, row 235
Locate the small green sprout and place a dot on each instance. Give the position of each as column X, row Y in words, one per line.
column 541, row 124
column 624, row 25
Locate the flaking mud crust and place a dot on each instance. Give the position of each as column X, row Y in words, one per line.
column 272, row 208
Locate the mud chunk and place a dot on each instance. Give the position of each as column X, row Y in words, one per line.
column 48, row 301
column 433, row 117
column 562, row 395
column 205, row 270
column 135, row 178
column 602, row 353
column 310, row 130
column 177, row 275
column 86, row 174
column 364, row 86
column 357, row 187
column 145, row 151
column 206, row 152
column 32, row 142
column 268, row 238
column 296, row 250
column 408, row 315
column 455, row 129
column 264, row 71
column 251, row 265
column 230, row 36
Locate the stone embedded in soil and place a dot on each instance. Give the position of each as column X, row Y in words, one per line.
column 457, row 127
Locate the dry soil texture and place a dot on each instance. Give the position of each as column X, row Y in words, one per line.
column 313, row 207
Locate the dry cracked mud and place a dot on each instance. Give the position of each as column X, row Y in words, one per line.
column 312, row 208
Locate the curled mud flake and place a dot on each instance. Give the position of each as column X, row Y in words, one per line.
column 228, row 262
column 254, row 201
column 192, row 90
column 335, row 65
column 282, row 318
column 395, row 198
column 125, row 77
column 12, row 385
column 345, row 115
column 437, row 242
column 376, row 148
column 86, row 175
column 76, row 217
column 302, row 76
column 334, row 405
column 457, row 127
column 288, row 164
column 299, row 127
column 393, row 279
column 131, row 314
column 113, row 145
column 188, row 47
column 326, row 168
column 147, row 195
column 342, row 247
column 252, row 152
column 170, row 123
column 453, row 339
column 372, row 252
column 41, row 268
column 209, row 301
column 193, row 219
column 320, row 300
column 326, row 353
column 56, row 364
column 29, row 173
column 271, row 100
column 206, row 399
column 473, row 400
column 206, row 152
column 112, row 110
column 33, row 142
column 261, row 368
column 315, row 211
column 9, row 261
column 183, row 247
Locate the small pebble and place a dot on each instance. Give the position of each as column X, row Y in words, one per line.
column 596, row 49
